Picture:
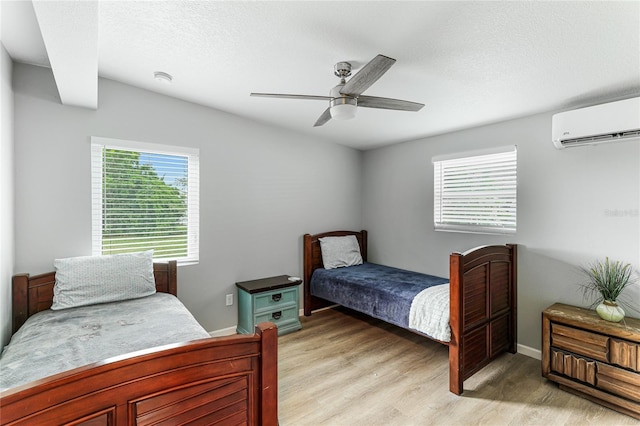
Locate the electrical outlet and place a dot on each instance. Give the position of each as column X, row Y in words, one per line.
column 229, row 299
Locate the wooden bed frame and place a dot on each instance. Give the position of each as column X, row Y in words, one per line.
column 482, row 302
column 231, row 379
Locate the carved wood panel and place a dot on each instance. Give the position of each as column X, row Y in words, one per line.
column 101, row 418
column 499, row 287
column 227, row 398
column 625, row 354
column 475, row 295
column 475, row 349
column 500, row 335
column 574, row 367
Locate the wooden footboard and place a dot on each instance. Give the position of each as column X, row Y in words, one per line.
column 232, row 380
column 482, row 302
column 482, row 309
column 226, row 380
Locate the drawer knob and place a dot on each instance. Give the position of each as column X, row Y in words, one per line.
column 276, row 297
column 276, row 315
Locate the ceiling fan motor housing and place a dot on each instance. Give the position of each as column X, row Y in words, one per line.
column 342, row 69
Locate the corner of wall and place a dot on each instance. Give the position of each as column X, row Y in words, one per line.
column 7, row 243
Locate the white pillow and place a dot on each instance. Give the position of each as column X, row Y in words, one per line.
column 89, row 280
column 340, row 251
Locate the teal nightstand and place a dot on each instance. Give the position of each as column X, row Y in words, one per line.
column 274, row 299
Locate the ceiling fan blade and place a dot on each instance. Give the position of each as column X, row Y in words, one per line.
column 367, row 75
column 286, row 96
column 388, row 103
column 326, row 116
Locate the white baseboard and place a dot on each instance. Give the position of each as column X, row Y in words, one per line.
column 223, row 332
column 530, row 352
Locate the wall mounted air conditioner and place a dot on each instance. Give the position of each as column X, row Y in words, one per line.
column 615, row 121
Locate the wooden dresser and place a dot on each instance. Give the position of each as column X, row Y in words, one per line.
column 596, row 359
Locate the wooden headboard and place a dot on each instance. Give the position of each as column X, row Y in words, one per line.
column 313, row 260
column 32, row 294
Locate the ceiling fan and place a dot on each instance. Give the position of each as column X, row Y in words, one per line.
column 347, row 95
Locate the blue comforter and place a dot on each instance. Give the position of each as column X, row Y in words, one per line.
column 380, row 291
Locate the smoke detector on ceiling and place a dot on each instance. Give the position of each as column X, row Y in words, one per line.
column 163, row 77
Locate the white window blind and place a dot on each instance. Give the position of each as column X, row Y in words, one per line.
column 476, row 192
column 145, row 196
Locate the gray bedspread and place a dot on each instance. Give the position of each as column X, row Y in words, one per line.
column 380, row 291
column 51, row 342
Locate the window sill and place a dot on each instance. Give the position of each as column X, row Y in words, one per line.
column 476, row 230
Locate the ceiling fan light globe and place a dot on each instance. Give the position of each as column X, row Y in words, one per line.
column 343, row 111
column 342, row 107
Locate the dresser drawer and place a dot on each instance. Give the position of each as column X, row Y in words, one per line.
column 625, row 354
column 618, row 381
column 581, row 342
column 276, row 298
column 278, row 316
column 574, row 367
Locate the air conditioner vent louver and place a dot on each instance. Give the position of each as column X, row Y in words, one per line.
column 615, row 121
column 609, row 137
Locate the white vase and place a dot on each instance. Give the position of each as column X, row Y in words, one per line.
column 610, row 311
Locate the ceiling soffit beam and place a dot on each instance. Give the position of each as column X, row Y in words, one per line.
column 70, row 33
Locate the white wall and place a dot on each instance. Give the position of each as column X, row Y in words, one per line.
column 261, row 188
column 574, row 206
column 6, row 194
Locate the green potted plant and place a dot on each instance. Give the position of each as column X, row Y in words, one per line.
column 605, row 281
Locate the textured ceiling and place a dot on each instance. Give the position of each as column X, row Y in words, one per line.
column 470, row 63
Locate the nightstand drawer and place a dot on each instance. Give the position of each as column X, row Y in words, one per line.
column 581, row 342
column 271, row 299
column 278, row 316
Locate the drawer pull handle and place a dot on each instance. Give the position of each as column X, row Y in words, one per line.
column 276, row 315
column 276, row 297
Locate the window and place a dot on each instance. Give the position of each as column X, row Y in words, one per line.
column 145, row 196
column 476, row 192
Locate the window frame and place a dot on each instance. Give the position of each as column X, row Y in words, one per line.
column 493, row 160
column 193, row 191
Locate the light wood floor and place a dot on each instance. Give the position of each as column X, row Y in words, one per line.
column 343, row 368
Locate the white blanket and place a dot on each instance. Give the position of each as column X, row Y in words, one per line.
column 429, row 312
